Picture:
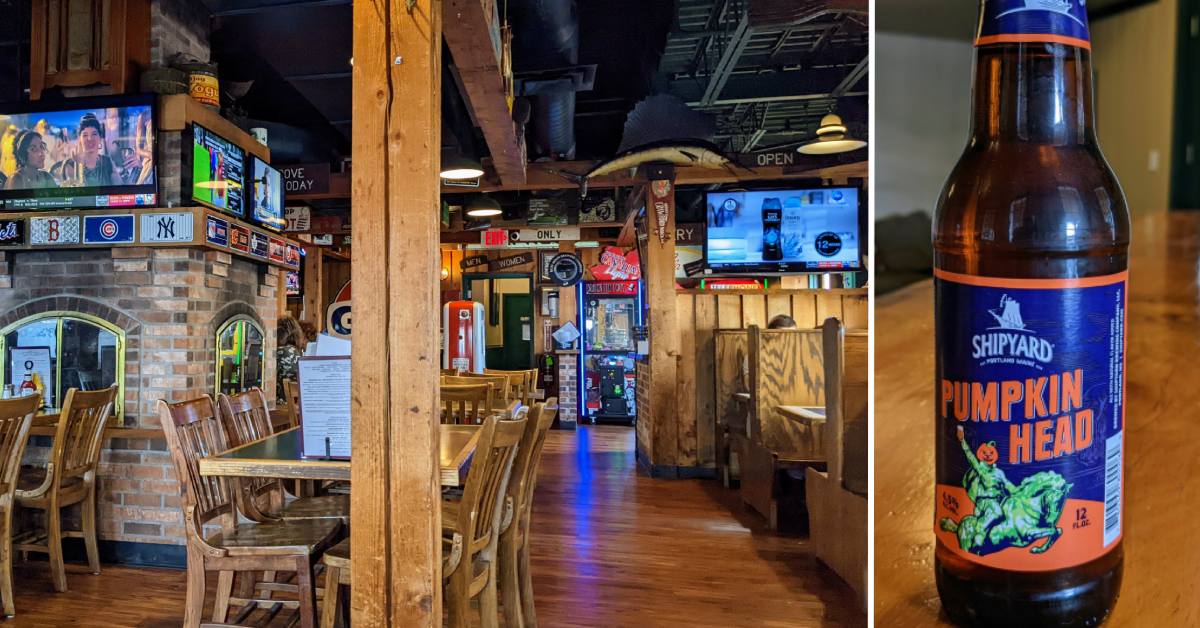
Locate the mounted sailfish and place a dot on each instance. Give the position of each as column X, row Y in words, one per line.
column 661, row 129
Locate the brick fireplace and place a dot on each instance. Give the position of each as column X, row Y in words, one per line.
column 169, row 302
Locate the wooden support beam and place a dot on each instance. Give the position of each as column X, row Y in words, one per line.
column 313, row 289
column 469, row 35
column 396, row 530
column 549, row 175
column 664, row 327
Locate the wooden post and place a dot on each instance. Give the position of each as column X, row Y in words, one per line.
column 396, row 530
column 664, row 327
column 313, row 289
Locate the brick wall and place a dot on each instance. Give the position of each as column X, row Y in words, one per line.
column 568, row 390
column 169, row 302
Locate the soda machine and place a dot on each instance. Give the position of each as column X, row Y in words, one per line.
column 609, row 314
column 463, row 336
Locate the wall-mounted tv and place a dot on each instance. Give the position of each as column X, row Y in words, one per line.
column 82, row 152
column 217, row 169
column 265, row 203
column 774, row 231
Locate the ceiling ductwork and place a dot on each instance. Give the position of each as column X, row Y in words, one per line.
column 545, row 58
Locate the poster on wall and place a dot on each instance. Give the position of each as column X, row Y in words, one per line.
column 598, row 207
column 689, row 250
column 547, row 211
column 31, row 360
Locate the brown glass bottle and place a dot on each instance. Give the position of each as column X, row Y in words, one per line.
column 1032, row 197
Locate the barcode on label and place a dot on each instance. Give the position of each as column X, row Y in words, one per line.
column 1113, row 477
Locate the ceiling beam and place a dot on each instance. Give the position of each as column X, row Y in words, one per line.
column 749, row 87
column 468, row 32
column 734, row 46
column 852, row 78
column 230, row 8
column 549, row 175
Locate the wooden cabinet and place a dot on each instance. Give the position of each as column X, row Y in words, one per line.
column 82, row 43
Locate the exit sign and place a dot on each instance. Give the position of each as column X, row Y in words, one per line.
column 495, row 237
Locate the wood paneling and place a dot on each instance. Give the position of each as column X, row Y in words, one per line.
column 82, row 43
column 786, row 368
column 395, row 504
column 705, row 363
column 719, row 568
column 685, row 384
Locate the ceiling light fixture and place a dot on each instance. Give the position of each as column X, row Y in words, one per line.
column 458, row 168
column 483, row 206
column 831, row 138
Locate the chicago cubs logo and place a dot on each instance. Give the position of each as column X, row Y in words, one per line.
column 108, row 229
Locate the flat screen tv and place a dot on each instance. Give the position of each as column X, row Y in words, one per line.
column 777, row 231
column 217, row 171
column 82, row 152
column 265, row 203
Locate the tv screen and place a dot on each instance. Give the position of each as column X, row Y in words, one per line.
column 811, row 230
column 266, row 195
column 89, row 152
column 217, row 172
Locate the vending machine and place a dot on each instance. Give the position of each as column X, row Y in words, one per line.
column 610, row 317
column 463, row 336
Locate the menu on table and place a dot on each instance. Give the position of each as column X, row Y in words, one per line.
column 325, row 407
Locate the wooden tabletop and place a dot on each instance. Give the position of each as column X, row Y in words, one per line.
column 803, row 414
column 278, row 456
column 1162, row 559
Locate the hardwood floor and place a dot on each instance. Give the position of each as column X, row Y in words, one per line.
column 610, row 548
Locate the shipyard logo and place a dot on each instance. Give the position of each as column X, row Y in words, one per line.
column 1061, row 7
column 1009, row 341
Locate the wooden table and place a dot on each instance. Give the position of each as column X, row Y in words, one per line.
column 1162, row 559
column 808, row 415
column 278, row 456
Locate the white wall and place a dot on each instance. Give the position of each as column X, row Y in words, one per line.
column 1134, row 59
column 922, row 116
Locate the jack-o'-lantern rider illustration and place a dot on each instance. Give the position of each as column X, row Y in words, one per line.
column 1006, row 515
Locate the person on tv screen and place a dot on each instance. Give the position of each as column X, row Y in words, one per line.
column 723, row 216
column 30, row 152
column 265, row 202
column 97, row 168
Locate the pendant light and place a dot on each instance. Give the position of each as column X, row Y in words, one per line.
column 483, row 206
column 831, row 138
column 456, row 167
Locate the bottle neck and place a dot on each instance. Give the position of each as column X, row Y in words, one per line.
column 1038, row 93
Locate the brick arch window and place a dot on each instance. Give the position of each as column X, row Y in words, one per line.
column 67, row 349
column 240, row 354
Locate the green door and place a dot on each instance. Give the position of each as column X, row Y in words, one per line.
column 517, row 321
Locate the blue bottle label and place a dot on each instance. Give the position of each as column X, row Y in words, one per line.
column 1026, row 21
column 1030, row 416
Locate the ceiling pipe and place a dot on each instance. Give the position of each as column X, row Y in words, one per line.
column 546, row 37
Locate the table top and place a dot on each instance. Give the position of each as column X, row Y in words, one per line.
column 1162, row 561
column 803, row 414
column 278, row 456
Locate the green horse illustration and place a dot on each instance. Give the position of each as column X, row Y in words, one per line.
column 1007, row 515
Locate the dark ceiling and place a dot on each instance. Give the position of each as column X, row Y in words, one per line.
column 767, row 84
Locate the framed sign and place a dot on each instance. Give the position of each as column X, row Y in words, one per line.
column 168, row 227
column 12, row 232
column 306, row 178
column 298, row 218
column 217, row 231
column 239, row 238
column 547, row 211
column 599, row 207
column 54, row 230
column 108, row 229
column 325, row 407
column 564, row 269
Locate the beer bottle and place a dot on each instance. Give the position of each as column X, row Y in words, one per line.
column 1031, row 239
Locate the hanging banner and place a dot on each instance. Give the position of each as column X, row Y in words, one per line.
column 662, row 204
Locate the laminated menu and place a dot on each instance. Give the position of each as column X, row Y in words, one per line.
column 325, row 407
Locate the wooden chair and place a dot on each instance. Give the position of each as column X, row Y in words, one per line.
column 245, row 418
column 291, row 391
column 470, row 531
column 467, row 404
column 192, row 432
column 519, row 384
column 69, row 479
column 501, row 382
column 16, row 415
column 516, row 582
